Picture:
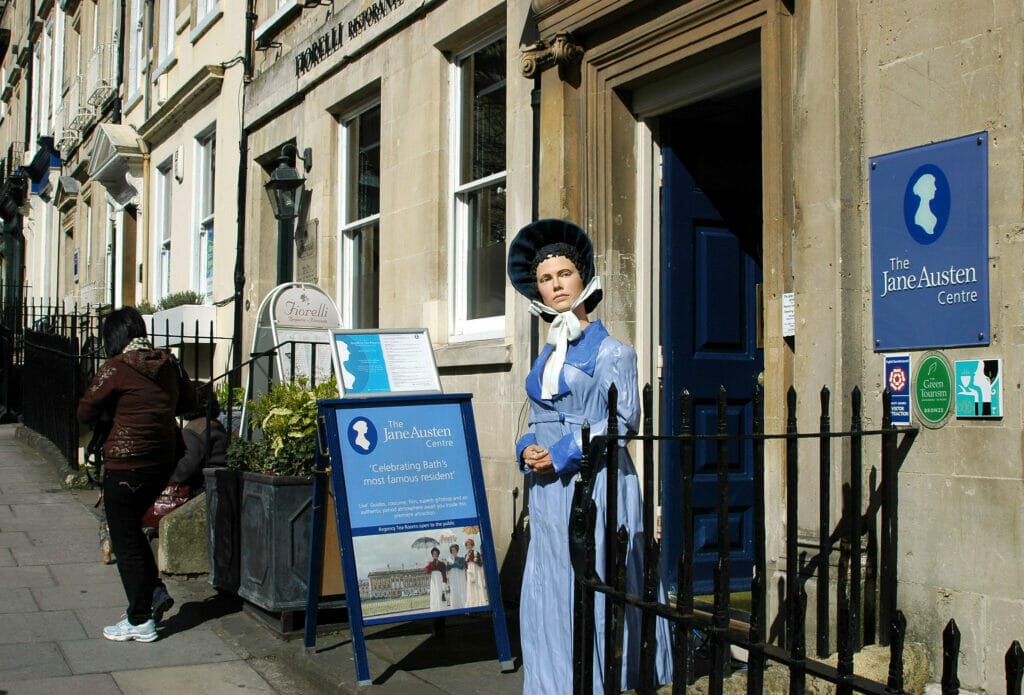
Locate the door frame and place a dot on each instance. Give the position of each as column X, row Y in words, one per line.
column 604, row 140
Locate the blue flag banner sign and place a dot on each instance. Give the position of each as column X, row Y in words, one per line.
column 929, row 245
column 411, row 513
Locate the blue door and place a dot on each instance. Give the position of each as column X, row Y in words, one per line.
column 711, row 269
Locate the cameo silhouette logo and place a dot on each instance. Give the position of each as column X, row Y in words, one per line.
column 926, row 204
column 362, row 436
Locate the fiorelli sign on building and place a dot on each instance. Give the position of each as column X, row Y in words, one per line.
column 929, row 245
column 357, row 19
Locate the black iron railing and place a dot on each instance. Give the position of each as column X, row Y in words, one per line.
column 864, row 611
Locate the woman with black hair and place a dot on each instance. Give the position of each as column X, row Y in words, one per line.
column 140, row 390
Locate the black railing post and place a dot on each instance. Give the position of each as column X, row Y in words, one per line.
column 795, row 600
column 615, row 622
column 683, row 656
column 897, row 633
column 950, row 659
column 1014, row 668
column 755, row 655
column 652, row 552
column 824, row 527
column 720, row 617
column 890, row 519
column 582, row 532
column 855, row 527
column 613, row 610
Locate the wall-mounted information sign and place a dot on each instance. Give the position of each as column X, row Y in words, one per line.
column 933, row 390
column 979, row 388
column 929, row 245
column 411, row 515
column 897, row 380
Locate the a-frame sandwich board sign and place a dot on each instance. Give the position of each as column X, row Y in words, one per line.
column 408, row 486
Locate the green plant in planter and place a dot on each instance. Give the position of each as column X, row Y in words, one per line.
column 146, row 308
column 284, row 424
column 227, row 396
column 180, row 298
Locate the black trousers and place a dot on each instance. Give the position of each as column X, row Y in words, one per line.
column 127, row 494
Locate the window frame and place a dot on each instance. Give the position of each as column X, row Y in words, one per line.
column 348, row 229
column 163, row 219
column 461, row 327
column 204, row 195
column 165, row 36
column 205, row 14
column 135, row 41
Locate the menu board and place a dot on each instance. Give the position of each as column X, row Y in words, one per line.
column 380, row 361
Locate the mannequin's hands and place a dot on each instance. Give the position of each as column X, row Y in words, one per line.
column 538, row 459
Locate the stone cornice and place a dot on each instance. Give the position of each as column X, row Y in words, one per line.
column 192, row 96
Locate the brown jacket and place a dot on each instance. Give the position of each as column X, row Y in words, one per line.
column 141, row 391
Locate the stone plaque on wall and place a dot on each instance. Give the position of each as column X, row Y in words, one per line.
column 305, row 252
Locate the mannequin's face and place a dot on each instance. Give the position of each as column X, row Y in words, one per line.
column 559, row 282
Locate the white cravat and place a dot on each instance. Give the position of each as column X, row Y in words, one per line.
column 565, row 327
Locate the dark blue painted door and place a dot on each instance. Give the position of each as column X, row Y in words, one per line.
column 711, row 268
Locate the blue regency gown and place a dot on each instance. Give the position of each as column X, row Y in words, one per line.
column 593, row 363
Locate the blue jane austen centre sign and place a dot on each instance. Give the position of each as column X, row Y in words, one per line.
column 929, row 245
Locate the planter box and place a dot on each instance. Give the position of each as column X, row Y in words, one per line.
column 223, row 515
column 275, row 526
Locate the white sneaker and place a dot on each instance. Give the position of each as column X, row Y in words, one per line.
column 124, row 631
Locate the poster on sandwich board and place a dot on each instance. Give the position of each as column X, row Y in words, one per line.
column 411, row 514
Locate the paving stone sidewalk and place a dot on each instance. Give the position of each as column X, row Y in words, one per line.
column 56, row 595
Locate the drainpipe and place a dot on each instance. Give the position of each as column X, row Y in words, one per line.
column 534, row 197
column 243, row 160
column 115, row 115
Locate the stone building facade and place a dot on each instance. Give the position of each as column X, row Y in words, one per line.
column 718, row 151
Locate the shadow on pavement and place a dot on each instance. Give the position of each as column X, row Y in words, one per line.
column 194, row 613
column 454, row 641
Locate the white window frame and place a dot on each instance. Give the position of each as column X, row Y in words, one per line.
column 162, row 222
column 204, row 8
column 76, row 28
column 462, row 328
column 37, row 125
column 203, row 194
column 348, row 231
column 46, row 94
column 168, row 10
column 58, row 59
column 135, row 30
column 207, row 12
column 95, row 29
column 88, row 237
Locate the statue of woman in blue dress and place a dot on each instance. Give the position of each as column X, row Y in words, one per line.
column 551, row 263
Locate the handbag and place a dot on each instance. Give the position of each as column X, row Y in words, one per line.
column 173, row 496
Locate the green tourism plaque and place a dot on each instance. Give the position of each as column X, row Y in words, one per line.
column 933, row 390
